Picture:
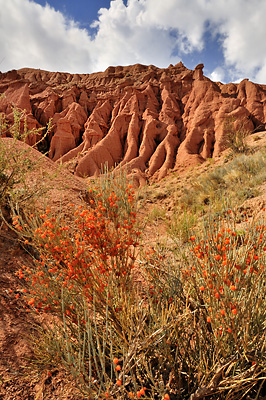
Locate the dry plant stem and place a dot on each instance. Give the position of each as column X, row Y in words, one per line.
column 224, row 280
column 195, row 327
column 212, row 386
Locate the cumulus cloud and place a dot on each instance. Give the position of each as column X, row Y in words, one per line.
column 124, row 37
column 40, row 37
column 244, row 44
column 138, row 31
column 217, row 75
column 152, row 31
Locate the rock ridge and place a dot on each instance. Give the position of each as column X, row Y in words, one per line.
column 143, row 118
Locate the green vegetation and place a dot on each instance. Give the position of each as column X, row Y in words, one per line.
column 196, row 193
column 236, row 180
column 235, row 135
column 16, row 163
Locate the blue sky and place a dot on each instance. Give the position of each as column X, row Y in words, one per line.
column 83, row 11
column 84, row 36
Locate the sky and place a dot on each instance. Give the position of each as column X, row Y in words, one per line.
column 85, row 36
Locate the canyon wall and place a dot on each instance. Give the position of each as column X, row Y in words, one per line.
column 138, row 117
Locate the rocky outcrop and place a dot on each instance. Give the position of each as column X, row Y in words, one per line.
column 142, row 118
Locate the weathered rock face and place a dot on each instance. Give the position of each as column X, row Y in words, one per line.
column 140, row 117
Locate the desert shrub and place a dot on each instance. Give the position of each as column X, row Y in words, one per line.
column 235, row 133
column 218, row 282
column 82, row 275
column 157, row 323
column 181, row 224
column 16, row 162
column 14, row 168
column 236, row 180
column 97, row 245
column 157, row 213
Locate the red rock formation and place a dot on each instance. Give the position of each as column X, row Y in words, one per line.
column 16, row 93
column 142, row 118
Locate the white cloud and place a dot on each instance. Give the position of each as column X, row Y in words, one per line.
column 241, row 24
column 217, row 75
column 40, row 37
column 187, row 18
column 141, row 31
column 123, row 37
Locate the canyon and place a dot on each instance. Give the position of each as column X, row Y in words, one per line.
column 143, row 118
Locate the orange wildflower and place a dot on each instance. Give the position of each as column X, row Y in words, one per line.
column 142, row 391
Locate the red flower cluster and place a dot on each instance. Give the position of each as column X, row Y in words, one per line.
column 223, row 269
column 84, row 254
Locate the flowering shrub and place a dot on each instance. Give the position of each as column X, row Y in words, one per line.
column 89, row 253
column 228, row 278
column 82, row 275
column 195, row 326
column 219, row 284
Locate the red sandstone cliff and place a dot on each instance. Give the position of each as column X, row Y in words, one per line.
column 146, row 118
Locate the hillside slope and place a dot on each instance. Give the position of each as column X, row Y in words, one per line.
column 18, row 379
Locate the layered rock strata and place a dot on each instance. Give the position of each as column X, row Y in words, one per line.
column 142, row 118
